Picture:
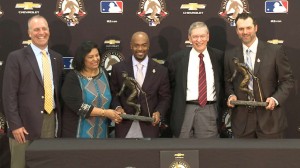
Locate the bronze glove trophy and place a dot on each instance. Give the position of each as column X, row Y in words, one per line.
column 136, row 90
column 247, row 74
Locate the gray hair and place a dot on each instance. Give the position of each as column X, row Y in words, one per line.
column 197, row 25
column 35, row 17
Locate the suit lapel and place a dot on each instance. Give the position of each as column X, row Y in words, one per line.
column 214, row 64
column 54, row 67
column 259, row 56
column 33, row 62
column 150, row 74
column 129, row 67
column 184, row 71
column 240, row 54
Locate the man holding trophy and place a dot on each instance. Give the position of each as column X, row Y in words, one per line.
column 140, row 88
column 269, row 81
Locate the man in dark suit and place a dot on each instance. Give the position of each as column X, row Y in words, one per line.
column 24, row 94
column 154, row 81
column 189, row 116
column 269, row 63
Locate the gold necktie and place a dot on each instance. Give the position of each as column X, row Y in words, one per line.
column 48, row 106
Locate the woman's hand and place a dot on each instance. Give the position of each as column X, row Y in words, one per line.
column 113, row 115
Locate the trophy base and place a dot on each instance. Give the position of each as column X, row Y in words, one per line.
column 248, row 103
column 136, row 117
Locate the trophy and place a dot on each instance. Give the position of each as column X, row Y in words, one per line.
column 136, row 90
column 247, row 74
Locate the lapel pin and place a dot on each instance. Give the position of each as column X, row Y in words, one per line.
column 153, row 71
column 258, row 60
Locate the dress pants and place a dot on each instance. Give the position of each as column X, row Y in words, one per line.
column 252, row 129
column 200, row 122
column 17, row 150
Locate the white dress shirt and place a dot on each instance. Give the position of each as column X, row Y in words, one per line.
column 193, row 75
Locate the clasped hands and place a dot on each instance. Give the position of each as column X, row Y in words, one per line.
column 155, row 115
column 114, row 115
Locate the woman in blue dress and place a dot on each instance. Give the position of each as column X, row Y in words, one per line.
column 86, row 95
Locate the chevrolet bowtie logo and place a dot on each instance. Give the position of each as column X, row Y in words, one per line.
column 28, row 5
column 179, row 154
column 27, row 42
column 112, row 42
column 193, row 6
column 187, row 42
column 275, row 41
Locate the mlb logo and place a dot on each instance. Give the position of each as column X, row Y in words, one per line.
column 70, row 23
column 68, row 62
column 111, row 6
column 151, row 23
column 276, row 6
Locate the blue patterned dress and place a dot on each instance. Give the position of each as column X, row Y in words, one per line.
column 96, row 92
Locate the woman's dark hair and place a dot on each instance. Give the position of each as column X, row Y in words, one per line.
column 85, row 48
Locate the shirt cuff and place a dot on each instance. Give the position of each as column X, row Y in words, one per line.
column 118, row 107
column 230, row 95
column 276, row 102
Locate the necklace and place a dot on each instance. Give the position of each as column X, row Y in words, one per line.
column 89, row 75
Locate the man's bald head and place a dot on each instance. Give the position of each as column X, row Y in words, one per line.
column 140, row 45
column 139, row 34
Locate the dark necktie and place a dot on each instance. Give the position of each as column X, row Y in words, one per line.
column 202, row 90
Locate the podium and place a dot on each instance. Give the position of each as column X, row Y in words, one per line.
column 141, row 153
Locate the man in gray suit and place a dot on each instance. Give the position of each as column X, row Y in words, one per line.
column 269, row 63
column 189, row 118
column 24, row 95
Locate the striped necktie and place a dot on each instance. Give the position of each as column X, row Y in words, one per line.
column 249, row 64
column 202, row 88
column 48, row 105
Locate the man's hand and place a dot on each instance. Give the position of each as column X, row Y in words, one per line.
column 19, row 134
column 231, row 98
column 113, row 115
column 120, row 109
column 156, row 118
column 271, row 104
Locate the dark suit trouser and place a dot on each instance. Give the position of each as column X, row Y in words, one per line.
column 18, row 149
column 253, row 130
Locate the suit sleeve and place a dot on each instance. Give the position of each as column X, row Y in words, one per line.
column 228, row 70
column 284, row 76
column 72, row 96
column 164, row 94
column 114, row 86
column 171, row 70
column 11, row 80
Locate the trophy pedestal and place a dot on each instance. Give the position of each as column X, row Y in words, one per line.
column 248, row 103
column 136, row 117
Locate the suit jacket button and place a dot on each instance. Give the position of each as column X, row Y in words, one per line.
column 43, row 97
column 42, row 112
